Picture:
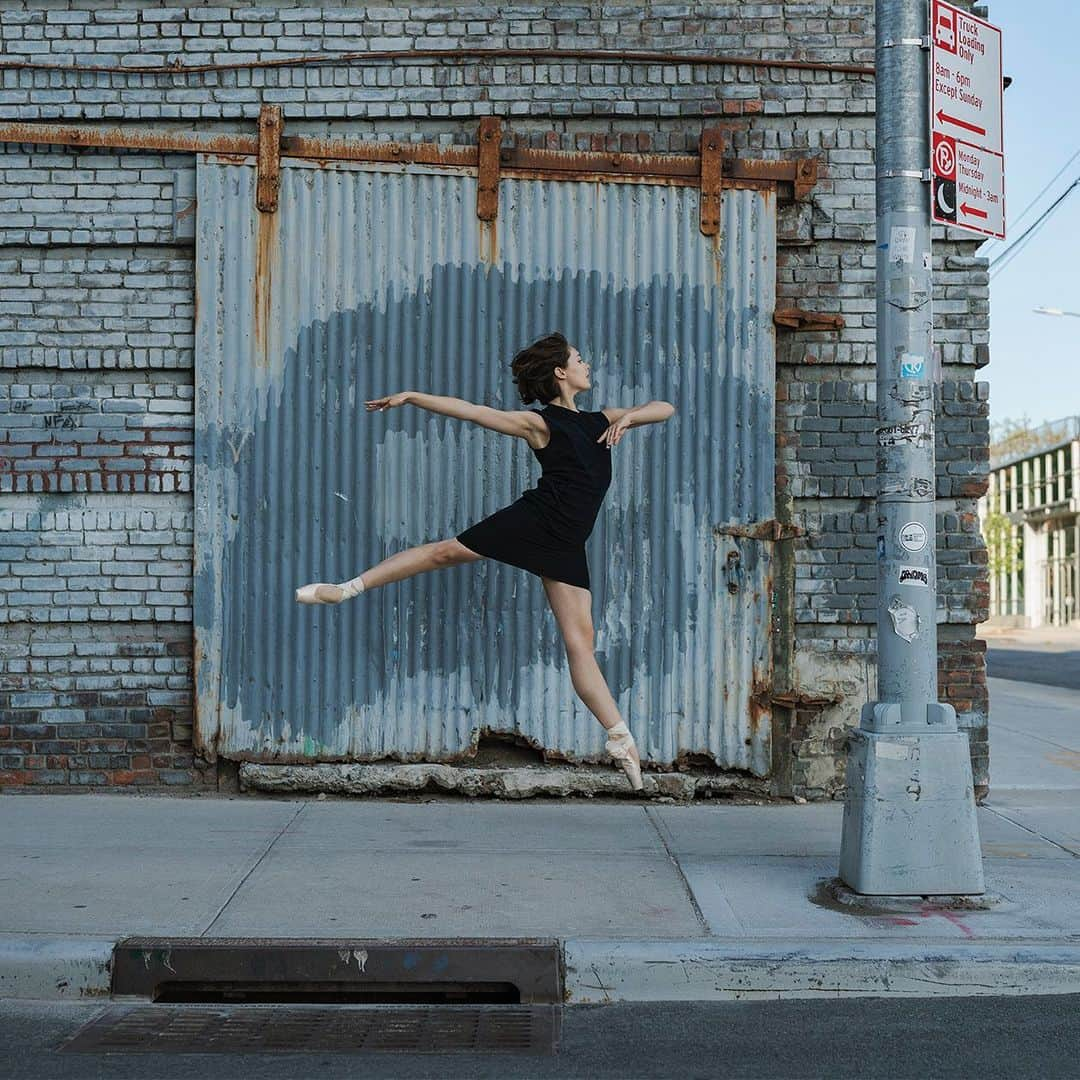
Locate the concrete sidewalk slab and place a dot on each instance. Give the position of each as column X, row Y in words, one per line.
column 118, row 864
column 489, row 869
column 469, row 895
column 776, row 898
column 1051, row 816
column 814, row 830
column 1034, row 736
column 769, row 897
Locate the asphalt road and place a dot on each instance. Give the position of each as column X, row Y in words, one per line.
column 863, row 1038
column 1033, row 657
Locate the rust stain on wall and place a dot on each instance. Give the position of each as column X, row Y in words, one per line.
column 266, row 255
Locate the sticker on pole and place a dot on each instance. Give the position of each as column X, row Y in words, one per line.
column 914, row 575
column 912, row 536
column 966, row 145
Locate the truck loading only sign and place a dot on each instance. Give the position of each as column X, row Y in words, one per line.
column 966, row 152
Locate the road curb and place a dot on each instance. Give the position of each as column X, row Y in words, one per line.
column 599, row 971
column 55, row 967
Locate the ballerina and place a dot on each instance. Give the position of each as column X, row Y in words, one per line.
column 545, row 529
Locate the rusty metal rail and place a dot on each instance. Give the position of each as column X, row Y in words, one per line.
column 709, row 170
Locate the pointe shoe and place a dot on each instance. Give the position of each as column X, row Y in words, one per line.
column 619, row 748
column 320, row 593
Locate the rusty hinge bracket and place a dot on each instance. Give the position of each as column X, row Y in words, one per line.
column 712, row 171
column 268, row 168
column 798, row 319
column 487, row 168
column 800, row 173
column 762, row 530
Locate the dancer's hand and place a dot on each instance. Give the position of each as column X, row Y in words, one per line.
column 614, row 432
column 391, row 402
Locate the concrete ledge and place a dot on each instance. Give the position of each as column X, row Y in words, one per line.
column 54, row 967
column 600, row 971
column 503, row 783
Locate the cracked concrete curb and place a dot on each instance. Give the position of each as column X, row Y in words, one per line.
column 600, row 971
column 490, row 782
column 55, row 967
column 70, row 968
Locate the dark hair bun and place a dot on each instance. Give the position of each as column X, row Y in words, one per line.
column 534, row 368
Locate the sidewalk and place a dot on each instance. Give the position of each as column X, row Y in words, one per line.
column 701, row 901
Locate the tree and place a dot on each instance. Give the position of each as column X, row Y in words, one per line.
column 1019, row 438
column 1002, row 541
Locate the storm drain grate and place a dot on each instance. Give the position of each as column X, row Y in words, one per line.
column 238, row 1029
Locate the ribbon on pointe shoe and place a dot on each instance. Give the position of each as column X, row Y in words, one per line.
column 619, row 748
column 619, row 740
column 351, row 588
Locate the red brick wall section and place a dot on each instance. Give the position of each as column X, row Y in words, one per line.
column 97, row 706
column 962, row 683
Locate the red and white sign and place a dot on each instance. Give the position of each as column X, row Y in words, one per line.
column 967, row 159
column 968, row 185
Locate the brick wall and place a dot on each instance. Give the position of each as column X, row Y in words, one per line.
column 89, row 705
column 82, row 436
column 97, row 309
column 96, row 565
column 73, row 309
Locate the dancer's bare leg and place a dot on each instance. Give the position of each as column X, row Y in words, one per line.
column 401, row 565
column 572, row 607
column 417, row 560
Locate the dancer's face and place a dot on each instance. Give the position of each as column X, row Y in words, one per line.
column 578, row 373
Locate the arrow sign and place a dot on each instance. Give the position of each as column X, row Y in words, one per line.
column 965, row 75
column 944, row 118
column 971, row 196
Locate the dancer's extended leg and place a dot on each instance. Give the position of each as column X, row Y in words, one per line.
column 402, row 564
column 572, row 608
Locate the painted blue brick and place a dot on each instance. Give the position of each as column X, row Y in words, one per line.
column 62, row 716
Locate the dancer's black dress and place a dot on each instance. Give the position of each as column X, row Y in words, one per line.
column 545, row 530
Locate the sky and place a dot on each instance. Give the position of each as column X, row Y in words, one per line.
column 1034, row 358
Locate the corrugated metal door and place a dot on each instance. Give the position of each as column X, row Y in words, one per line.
column 371, row 279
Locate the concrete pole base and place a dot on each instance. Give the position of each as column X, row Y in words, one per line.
column 910, row 827
column 836, row 896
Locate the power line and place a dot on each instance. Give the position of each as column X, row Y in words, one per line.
column 1013, row 251
column 1050, row 184
column 1002, row 260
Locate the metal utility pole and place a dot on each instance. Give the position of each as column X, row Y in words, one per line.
column 909, row 817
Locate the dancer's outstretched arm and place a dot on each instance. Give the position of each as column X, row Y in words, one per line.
column 506, row 422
